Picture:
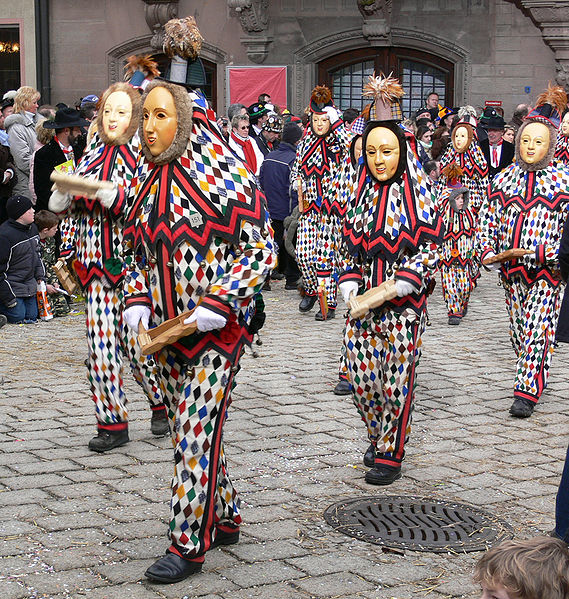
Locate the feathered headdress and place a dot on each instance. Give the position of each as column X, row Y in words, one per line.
column 182, row 38
column 453, row 173
column 385, row 91
column 320, row 97
column 140, row 68
column 550, row 106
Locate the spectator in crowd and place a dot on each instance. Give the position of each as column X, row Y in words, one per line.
column 432, row 169
column 440, row 139
column 432, row 104
column 424, row 142
column 6, row 109
column 47, row 223
column 235, row 109
column 258, row 114
column 268, row 139
column 22, row 135
column 264, row 99
column 243, row 146
column 520, row 113
column 67, row 126
column 422, row 113
column 349, row 116
column 509, row 133
column 281, row 198
column 20, row 265
column 498, row 153
column 44, row 136
column 223, row 124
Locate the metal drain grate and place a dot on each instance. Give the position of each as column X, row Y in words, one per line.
column 417, row 524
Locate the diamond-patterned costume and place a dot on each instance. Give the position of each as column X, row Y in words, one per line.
column 390, row 231
column 319, row 164
column 199, row 232
column 457, row 250
column 94, row 234
column 528, row 210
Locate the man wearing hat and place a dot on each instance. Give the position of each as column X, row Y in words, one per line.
column 498, row 152
column 258, row 114
column 268, row 139
column 67, row 125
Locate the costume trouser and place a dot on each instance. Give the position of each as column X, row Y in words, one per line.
column 383, row 353
column 457, row 284
column 286, row 263
column 562, row 333
column 107, row 339
column 318, row 237
column 203, row 497
column 533, row 311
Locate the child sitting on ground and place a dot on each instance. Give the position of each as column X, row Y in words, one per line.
column 536, row 568
column 47, row 223
column 21, row 268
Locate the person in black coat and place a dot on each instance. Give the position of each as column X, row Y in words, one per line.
column 67, row 125
column 498, row 153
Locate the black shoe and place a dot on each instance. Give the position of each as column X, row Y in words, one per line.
column 277, row 276
column 369, row 456
column 331, row 314
column 223, row 537
column 172, row 568
column 267, row 285
column 522, row 408
column 291, row 285
column 307, row 303
column 382, row 475
column 454, row 319
column 159, row 423
column 343, row 388
column 106, row 440
column 3, row 320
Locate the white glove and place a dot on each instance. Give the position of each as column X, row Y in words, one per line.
column 495, row 266
column 332, row 114
column 207, row 320
column 135, row 315
column 347, row 288
column 58, row 201
column 107, row 197
column 404, row 288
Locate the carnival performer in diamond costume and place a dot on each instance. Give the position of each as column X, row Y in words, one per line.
column 201, row 240
column 526, row 209
column 92, row 235
column 391, row 232
column 316, row 171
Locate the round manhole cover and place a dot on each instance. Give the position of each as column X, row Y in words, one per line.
column 417, row 524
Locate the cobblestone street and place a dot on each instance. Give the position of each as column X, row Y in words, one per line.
column 75, row 524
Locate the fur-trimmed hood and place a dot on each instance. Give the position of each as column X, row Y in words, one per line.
column 538, row 166
column 183, row 105
column 134, row 119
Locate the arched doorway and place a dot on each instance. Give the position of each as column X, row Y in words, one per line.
column 419, row 73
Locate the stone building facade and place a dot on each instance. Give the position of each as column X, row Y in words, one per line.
column 470, row 51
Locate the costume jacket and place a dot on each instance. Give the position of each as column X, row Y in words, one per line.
column 20, row 263
column 457, row 249
column 92, row 231
column 526, row 210
column 392, row 231
column 318, row 163
column 562, row 149
column 199, row 231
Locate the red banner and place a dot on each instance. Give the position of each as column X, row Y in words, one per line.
column 246, row 83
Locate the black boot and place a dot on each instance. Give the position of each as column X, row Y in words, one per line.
column 106, row 440
column 307, row 303
column 453, row 319
column 382, row 475
column 369, row 456
column 159, row 423
column 172, row 568
column 522, row 408
column 331, row 314
column 343, row 388
column 224, row 537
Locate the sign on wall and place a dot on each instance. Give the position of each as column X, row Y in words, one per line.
column 244, row 84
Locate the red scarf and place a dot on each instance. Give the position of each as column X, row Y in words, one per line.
column 248, row 150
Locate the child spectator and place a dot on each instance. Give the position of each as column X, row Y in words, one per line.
column 20, row 265
column 47, row 223
column 536, row 568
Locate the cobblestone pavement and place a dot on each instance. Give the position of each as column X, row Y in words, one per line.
column 76, row 524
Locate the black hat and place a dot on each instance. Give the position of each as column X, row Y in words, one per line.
column 257, row 110
column 18, row 205
column 66, row 117
column 7, row 102
column 491, row 119
column 291, row 133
